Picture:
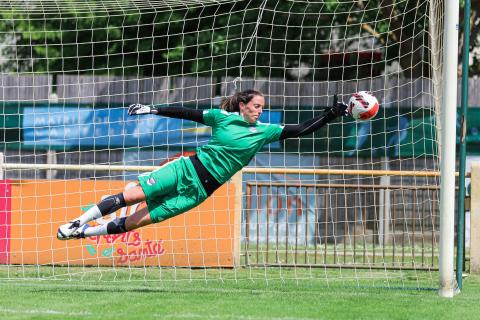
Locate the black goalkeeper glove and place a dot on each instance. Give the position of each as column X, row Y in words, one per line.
column 339, row 108
column 139, row 109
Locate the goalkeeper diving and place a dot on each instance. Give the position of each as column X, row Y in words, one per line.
column 186, row 182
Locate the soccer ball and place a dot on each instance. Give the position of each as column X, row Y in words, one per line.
column 363, row 106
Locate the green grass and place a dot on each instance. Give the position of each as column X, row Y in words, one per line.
column 366, row 254
column 101, row 293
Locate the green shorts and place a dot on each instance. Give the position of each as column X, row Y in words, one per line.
column 172, row 189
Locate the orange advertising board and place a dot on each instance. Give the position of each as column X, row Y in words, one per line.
column 206, row 236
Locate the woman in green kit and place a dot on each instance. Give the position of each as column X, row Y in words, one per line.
column 184, row 183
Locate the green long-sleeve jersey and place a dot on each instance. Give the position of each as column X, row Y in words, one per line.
column 234, row 142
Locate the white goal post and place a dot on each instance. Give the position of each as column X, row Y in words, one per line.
column 448, row 144
column 355, row 203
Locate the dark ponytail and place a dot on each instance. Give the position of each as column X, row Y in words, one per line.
column 232, row 103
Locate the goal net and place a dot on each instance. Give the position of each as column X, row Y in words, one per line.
column 355, row 203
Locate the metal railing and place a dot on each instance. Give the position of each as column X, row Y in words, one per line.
column 340, row 225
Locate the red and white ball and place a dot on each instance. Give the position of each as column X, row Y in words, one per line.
column 363, row 106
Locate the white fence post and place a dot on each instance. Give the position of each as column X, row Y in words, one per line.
column 2, row 176
column 475, row 218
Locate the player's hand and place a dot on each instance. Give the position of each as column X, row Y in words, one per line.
column 339, row 108
column 138, row 109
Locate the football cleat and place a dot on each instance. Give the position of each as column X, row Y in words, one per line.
column 80, row 232
column 65, row 231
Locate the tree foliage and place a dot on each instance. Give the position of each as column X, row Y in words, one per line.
column 335, row 40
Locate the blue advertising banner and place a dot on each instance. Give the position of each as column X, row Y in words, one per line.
column 69, row 127
column 396, row 133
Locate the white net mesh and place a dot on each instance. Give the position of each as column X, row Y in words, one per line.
column 69, row 69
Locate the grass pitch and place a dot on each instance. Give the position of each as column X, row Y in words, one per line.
column 180, row 294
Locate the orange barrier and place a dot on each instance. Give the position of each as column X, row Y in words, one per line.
column 5, row 209
column 207, row 236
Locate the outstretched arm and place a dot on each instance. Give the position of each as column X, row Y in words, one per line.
column 309, row 126
column 171, row 112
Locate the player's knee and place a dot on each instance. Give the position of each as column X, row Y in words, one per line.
column 116, row 226
column 111, row 204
